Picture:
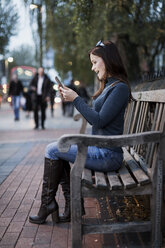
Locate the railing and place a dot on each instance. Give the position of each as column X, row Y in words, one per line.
column 149, row 76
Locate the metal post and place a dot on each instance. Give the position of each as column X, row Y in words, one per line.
column 6, row 69
column 40, row 28
column 40, row 31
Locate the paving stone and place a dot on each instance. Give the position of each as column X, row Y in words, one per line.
column 29, row 232
column 7, row 246
column 9, row 239
column 43, row 238
column 21, row 216
column 60, row 235
column 2, row 231
column 15, row 227
column 4, row 222
column 44, row 246
column 92, row 241
column 14, row 204
column 9, row 212
column 25, row 243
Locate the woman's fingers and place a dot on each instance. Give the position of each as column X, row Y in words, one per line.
column 68, row 94
column 64, row 87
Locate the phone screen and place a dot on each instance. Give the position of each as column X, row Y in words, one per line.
column 58, row 81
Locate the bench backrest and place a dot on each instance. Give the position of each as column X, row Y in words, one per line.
column 147, row 113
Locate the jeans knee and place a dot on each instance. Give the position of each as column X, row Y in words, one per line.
column 50, row 150
column 47, row 150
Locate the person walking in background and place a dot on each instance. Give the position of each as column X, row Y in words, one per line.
column 28, row 102
column 83, row 92
column 106, row 117
column 40, row 93
column 52, row 96
column 15, row 91
column 69, row 106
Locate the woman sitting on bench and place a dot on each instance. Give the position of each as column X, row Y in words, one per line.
column 106, row 118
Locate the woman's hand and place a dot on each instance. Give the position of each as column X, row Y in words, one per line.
column 67, row 94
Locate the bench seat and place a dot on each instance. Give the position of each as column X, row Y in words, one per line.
column 130, row 175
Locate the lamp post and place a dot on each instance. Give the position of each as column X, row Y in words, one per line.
column 7, row 61
column 40, row 29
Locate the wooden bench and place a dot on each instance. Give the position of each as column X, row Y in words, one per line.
column 143, row 144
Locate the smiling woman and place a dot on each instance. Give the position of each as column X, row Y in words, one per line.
column 106, row 118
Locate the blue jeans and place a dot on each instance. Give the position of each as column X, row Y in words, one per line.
column 98, row 159
column 16, row 105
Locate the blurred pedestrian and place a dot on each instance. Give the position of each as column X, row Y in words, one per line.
column 52, row 96
column 83, row 92
column 28, row 106
column 15, row 91
column 64, row 105
column 69, row 106
column 28, row 102
column 40, row 93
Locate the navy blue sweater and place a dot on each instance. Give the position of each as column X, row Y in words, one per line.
column 107, row 114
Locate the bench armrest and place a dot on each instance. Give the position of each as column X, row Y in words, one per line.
column 66, row 141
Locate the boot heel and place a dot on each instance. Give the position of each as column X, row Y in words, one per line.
column 55, row 216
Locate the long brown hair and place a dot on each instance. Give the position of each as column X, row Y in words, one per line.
column 113, row 64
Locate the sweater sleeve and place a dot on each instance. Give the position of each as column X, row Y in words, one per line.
column 110, row 108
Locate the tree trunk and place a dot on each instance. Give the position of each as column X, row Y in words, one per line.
column 129, row 53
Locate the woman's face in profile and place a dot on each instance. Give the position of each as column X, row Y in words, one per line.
column 98, row 66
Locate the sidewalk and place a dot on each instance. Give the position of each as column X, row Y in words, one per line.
column 17, row 138
column 14, row 131
column 21, row 171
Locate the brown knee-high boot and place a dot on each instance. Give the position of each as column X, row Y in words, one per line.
column 65, row 183
column 52, row 175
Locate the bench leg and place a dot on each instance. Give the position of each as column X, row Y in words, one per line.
column 76, row 218
column 156, row 206
column 163, row 208
column 76, row 195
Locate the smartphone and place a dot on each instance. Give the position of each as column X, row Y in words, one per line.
column 59, row 82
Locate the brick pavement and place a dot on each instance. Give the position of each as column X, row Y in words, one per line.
column 21, row 170
column 20, row 196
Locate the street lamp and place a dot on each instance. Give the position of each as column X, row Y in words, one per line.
column 40, row 30
column 10, row 59
column 33, row 6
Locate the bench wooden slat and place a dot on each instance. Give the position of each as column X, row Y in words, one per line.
column 117, row 227
column 163, row 118
column 100, row 180
column 139, row 174
column 143, row 122
column 126, row 178
column 157, row 124
column 140, row 117
column 87, row 176
column 150, row 95
column 148, row 153
column 135, row 117
column 128, row 117
column 140, row 160
column 114, row 180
